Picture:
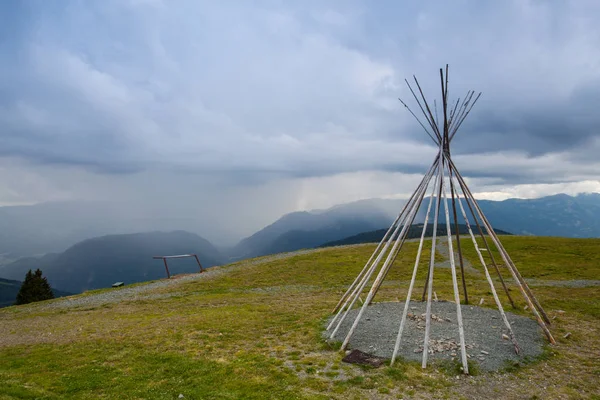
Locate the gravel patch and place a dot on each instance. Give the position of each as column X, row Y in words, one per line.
column 484, row 329
column 139, row 292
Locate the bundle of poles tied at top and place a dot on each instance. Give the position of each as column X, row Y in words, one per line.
column 445, row 181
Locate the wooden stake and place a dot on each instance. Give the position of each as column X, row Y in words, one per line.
column 461, row 333
column 424, row 295
column 504, row 255
column 489, row 279
column 433, row 127
column 365, row 268
column 426, row 285
column 426, row 178
column 419, row 121
column 489, row 251
column 382, row 271
column 359, row 288
column 397, row 249
column 510, row 264
column 362, row 282
column 431, row 264
column 414, row 275
column 455, row 129
column 458, row 245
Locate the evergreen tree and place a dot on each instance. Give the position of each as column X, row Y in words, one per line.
column 34, row 288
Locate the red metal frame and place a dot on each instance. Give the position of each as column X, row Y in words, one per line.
column 164, row 258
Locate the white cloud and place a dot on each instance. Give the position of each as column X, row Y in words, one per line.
column 532, row 191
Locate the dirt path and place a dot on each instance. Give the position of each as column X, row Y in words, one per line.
column 144, row 291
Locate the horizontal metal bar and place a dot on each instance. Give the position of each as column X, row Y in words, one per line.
column 179, row 256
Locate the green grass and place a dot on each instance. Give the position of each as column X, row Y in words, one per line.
column 547, row 257
column 255, row 332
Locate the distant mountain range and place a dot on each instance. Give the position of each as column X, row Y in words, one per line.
column 307, row 229
column 9, row 289
column 559, row 215
column 54, row 227
column 414, row 231
column 99, row 262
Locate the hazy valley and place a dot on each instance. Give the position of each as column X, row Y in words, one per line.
column 53, row 230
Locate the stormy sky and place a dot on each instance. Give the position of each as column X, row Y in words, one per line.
column 250, row 109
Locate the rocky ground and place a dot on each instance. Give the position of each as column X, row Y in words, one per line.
column 486, row 337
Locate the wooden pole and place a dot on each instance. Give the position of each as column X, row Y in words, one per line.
column 515, row 271
column 490, row 254
column 167, row 268
column 489, row 279
column 414, row 275
column 455, row 129
column 359, row 288
column 402, row 238
column 386, row 236
column 433, row 127
column 382, row 271
column 447, row 155
column 489, row 251
column 453, row 112
column 355, row 295
column 505, row 257
column 431, row 264
column 461, row 333
column 461, row 110
column 362, row 283
column 458, row 244
column 424, row 295
column 365, row 268
column 445, row 108
column 428, row 109
column 436, row 113
column 198, row 261
column 446, row 87
column 419, row 121
column 395, row 254
column 164, row 258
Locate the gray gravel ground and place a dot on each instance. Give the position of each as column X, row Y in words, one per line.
column 139, row 292
column 377, row 330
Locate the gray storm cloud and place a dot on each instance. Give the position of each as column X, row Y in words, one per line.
column 264, row 94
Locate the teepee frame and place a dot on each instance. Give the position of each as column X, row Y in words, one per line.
column 445, row 181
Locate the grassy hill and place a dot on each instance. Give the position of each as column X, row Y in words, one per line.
column 251, row 330
column 414, row 231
